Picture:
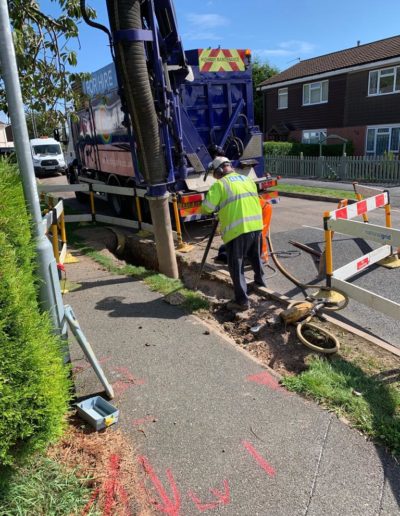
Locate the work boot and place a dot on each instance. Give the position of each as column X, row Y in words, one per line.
column 237, row 307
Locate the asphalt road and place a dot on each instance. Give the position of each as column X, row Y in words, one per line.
column 211, row 429
column 301, row 220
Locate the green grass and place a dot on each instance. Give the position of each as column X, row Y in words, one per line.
column 326, row 192
column 157, row 282
column 367, row 403
column 43, row 488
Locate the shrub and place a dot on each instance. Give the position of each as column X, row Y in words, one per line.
column 34, row 384
column 308, row 149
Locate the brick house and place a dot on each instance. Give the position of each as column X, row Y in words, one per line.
column 352, row 93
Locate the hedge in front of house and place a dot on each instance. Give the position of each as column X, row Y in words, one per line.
column 34, row 383
column 308, row 149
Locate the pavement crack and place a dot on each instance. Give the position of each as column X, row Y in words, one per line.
column 318, row 466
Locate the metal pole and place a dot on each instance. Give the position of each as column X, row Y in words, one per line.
column 50, row 292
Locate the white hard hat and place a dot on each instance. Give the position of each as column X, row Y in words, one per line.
column 218, row 162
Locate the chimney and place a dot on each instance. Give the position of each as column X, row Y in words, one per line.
column 358, row 42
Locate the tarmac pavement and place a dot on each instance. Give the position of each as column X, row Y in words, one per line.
column 212, row 428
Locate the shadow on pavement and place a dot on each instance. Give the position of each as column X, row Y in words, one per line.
column 155, row 309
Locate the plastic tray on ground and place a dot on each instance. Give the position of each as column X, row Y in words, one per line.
column 98, row 412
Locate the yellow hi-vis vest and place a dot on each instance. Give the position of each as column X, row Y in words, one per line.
column 235, row 198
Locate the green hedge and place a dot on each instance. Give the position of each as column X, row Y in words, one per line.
column 34, row 384
column 308, row 149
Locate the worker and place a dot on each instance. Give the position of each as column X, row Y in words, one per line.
column 235, row 198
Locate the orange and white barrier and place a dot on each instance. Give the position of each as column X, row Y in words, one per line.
column 341, row 220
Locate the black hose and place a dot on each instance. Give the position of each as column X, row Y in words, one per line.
column 289, row 276
column 131, row 61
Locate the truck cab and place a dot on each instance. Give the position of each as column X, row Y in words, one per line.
column 47, row 156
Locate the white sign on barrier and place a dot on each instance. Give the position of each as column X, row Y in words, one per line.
column 340, row 220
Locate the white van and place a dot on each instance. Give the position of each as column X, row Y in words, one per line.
column 47, row 155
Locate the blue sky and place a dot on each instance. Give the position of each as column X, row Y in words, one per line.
column 279, row 32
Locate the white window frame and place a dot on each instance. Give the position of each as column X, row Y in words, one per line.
column 396, row 78
column 283, row 92
column 375, row 128
column 315, row 86
column 324, row 132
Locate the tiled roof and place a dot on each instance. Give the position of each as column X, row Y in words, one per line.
column 362, row 54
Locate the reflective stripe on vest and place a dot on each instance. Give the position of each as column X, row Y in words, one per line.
column 253, row 218
column 210, row 205
column 234, row 198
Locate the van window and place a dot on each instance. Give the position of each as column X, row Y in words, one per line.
column 50, row 148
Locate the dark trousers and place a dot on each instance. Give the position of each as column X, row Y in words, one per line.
column 244, row 246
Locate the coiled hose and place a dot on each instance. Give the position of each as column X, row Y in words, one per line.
column 306, row 324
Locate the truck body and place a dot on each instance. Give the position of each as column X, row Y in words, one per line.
column 211, row 112
column 47, row 155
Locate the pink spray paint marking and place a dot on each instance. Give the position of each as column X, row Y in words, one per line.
column 170, row 506
column 127, row 381
column 83, row 365
column 269, row 470
column 223, row 498
column 113, row 489
column 143, row 420
column 266, row 378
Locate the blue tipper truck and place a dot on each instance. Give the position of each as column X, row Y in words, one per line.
column 212, row 111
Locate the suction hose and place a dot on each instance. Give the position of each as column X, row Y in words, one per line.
column 131, row 61
column 303, row 325
column 304, row 286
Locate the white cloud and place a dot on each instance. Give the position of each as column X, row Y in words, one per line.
column 202, row 26
column 291, row 48
column 207, row 21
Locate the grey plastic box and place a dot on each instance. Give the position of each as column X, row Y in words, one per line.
column 98, row 412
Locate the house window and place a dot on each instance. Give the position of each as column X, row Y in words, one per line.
column 313, row 135
column 283, row 98
column 315, row 93
column 385, row 81
column 381, row 140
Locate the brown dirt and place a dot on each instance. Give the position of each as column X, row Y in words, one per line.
column 106, row 461
column 276, row 345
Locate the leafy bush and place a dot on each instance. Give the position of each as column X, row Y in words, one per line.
column 34, row 384
column 308, row 149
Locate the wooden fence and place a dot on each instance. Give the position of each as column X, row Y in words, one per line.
column 353, row 168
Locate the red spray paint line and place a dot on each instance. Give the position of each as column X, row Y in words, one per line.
column 128, row 380
column 269, row 470
column 266, row 378
column 93, row 498
column 80, row 368
column 113, row 488
column 142, row 420
column 168, row 505
column 223, row 498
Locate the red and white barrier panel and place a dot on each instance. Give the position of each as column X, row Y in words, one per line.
column 360, row 207
column 358, row 265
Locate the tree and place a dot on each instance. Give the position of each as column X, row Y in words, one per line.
column 261, row 72
column 42, row 48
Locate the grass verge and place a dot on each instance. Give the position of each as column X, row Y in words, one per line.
column 370, row 402
column 325, row 192
column 43, row 487
column 157, row 282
